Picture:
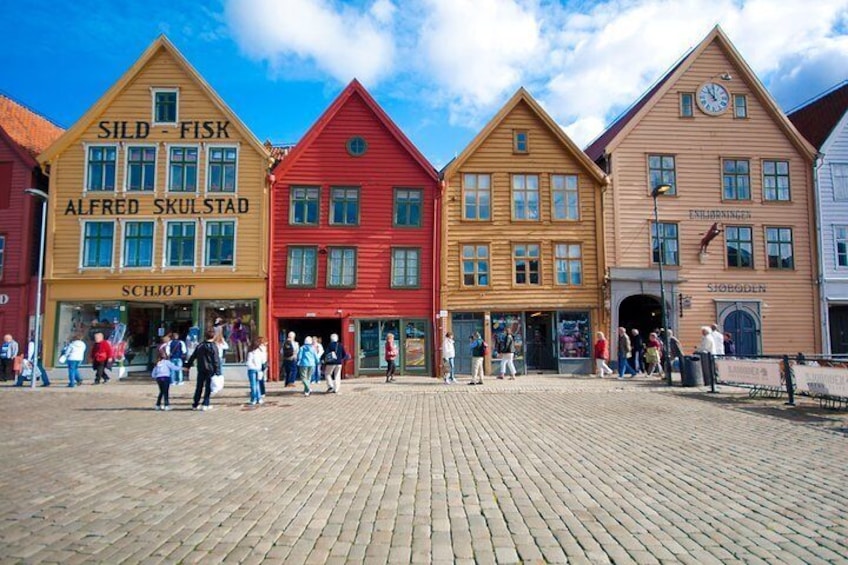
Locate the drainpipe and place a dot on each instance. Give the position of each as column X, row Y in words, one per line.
column 436, row 278
column 824, row 314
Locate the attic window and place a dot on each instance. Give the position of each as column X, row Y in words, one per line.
column 520, row 143
column 356, row 146
column 165, row 103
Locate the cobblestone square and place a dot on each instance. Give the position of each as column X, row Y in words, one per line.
column 541, row 469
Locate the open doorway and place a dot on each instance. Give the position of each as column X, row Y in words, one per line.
column 314, row 327
column 642, row 312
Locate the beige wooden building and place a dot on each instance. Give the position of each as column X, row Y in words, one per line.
column 711, row 131
column 157, row 217
column 521, row 242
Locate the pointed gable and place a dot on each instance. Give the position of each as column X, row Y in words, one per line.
column 817, row 118
column 26, row 129
column 610, row 138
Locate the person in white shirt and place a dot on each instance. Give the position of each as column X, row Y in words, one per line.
column 448, row 355
column 718, row 338
column 74, row 355
column 256, row 359
column 36, row 367
column 707, row 349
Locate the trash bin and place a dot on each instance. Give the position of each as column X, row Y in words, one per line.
column 692, row 374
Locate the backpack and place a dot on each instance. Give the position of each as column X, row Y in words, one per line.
column 288, row 349
column 177, row 350
column 484, row 349
column 330, row 356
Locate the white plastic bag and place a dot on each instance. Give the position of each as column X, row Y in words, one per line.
column 217, row 384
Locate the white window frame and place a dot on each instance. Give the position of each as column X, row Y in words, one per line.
column 744, row 98
column 833, row 176
column 168, row 147
column 126, row 185
column 122, row 223
column 85, row 147
column 165, row 246
column 203, row 265
column 836, row 241
column 153, row 93
column 80, row 265
column 208, row 147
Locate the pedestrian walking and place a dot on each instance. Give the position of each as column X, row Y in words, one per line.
column 507, row 354
column 263, row 374
column 637, row 345
column 624, row 352
column 448, row 357
column 391, row 355
column 162, row 375
column 318, row 346
column 35, row 367
column 289, row 352
column 307, row 362
column 334, row 360
column 479, row 348
column 256, row 359
column 208, row 365
column 74, row 355
column 675, row 351
column 601, row 355
column 718, row 338
column 101, row 358
column 652, row 354
column 8, row 351
column 177, row 353
column 706, row 351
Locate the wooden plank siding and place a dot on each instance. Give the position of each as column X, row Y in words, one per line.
column 699, row 144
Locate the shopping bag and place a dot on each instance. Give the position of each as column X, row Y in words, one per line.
column 63, row 359
column 217, row 384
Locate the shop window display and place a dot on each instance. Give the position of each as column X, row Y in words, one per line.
column 235, row 326
column 573, row 335
column 502, row 321
column 85, row 320
column 372, row 342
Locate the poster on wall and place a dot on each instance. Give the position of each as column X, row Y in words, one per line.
column 414, row 352
column 573, row 335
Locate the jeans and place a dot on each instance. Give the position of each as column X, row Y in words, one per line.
column 39, row 366
column 637, row 364
column 290, row 368
column 253, row 378
column 261, row 385
column 204, row 381
column 305, row 373
column 391, row 367
column 73, row 373
column 450, row 377
column 177, row 376
column 624, row 366
column 164, row 386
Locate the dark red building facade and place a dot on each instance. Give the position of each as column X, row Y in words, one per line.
column 23, row 134
column 354, row 211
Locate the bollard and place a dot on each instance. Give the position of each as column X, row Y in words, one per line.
column 787, row 378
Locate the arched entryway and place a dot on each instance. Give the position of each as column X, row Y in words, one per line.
column 742, row 326
column 641, row 311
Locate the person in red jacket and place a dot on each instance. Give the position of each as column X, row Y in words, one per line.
column 101, row 357
column 601, row 355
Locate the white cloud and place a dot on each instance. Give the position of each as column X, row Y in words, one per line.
column 341, row 41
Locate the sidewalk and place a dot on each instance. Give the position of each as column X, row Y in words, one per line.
column 541, row 469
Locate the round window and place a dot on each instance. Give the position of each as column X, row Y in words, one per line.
column 357, row 146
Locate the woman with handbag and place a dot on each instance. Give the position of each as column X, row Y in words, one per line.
column 74, row 355
column 391, row 356
column 255, row 360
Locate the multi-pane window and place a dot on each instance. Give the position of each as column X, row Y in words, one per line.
column 301, row 266
column 740, row 246
column 564, row 197
column 408, row 207
column 779, row 248
column 138, row 244
column 839, row 176
column 661, row 171
column 344, row 206
column 475, row 265
column 102, row 162
column 341, row 267
column 304, row 206
column 220, row 243
column 222, row 169
column 687, row 102
column 664, row 240
column 520, row 141
column 180, row 244
column 740, row 106
column 525, row 197
column 840, row 236
column 97, row 244
column 569, row 263
column 182, row 166
column 165, row 106
column 525, row 262
column 477, row 196
column 405, row 267
column 736, row 179
column 141, row 168
column 776, row 180
column 2, row 254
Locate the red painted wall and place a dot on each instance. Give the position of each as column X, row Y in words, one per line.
column 386, row 165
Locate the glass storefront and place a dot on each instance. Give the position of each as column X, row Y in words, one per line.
column 574, row 335
column 234, row 323
column 515, row 322
column 83, row 320
column 412, row 343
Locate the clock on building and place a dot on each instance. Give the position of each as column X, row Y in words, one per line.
column 713, row 99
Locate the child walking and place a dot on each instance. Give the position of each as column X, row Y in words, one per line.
column 162, row 374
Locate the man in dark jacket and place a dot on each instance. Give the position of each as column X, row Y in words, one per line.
column 638, row 346
column 208, row 365
column 334, row 359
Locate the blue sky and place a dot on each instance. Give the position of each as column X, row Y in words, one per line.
column 440, row 68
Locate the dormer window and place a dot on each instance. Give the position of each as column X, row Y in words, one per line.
column 520, row 141
column 165, row 105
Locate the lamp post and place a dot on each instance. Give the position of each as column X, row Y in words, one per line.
column 657, row 191
column 42, row 197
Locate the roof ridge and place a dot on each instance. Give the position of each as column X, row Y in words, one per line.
column 816, row 97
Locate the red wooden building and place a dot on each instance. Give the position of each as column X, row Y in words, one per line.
column 354, row 211
column 23, row 135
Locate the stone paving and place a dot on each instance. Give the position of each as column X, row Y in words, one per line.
column 541, row 469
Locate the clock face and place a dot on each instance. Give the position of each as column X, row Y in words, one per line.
column 713, row 98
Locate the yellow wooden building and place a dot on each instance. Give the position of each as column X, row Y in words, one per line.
column 157, row 217
column 711, row 131
column 521, row 242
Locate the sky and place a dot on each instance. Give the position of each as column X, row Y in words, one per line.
column 440, row 68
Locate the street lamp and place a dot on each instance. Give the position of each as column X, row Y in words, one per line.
column 657, row 191
column 42, row 196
